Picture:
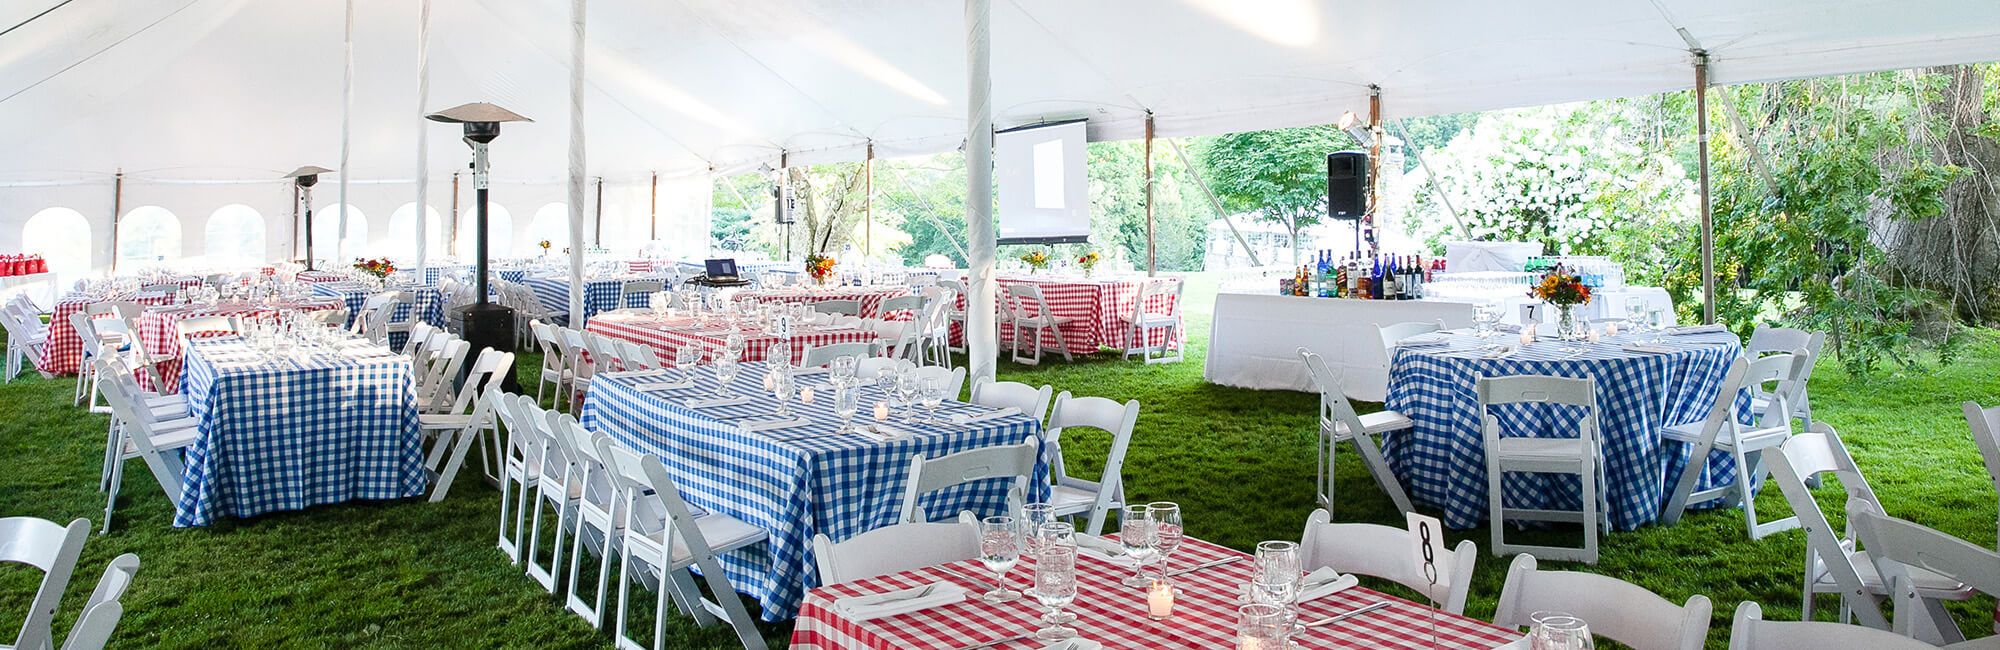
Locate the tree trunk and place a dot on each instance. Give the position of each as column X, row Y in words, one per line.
column 1958, row 252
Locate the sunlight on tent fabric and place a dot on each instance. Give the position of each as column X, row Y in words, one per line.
column 233, row 236
column 607, row 63
column 62, row 237
column 326, row 221
column 402, row 241
column 550, row 224
column 860, row 59
column 1292, row 23
column 148, row 237
column 500, row 238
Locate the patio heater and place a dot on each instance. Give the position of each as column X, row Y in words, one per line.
column 306, row 177
column 486, row 325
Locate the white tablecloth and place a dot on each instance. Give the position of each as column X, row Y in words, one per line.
column 1253, row 340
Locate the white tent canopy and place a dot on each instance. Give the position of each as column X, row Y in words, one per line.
column 239, row 90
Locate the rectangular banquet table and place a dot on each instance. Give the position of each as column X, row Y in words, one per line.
column 600, row 295
column 311, row 277
column 1442, row 461
column 1096, row 307
column 797, row 482
column 296, row 431
column 666, row 334
column 1115, row 615
column 64, row 345
column 159, row 328
column 870, row 297
column 428, row 301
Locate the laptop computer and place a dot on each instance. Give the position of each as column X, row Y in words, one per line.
column 722, row 270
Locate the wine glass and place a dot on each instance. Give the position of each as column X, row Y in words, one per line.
column 906, row 391
column 931, row 391
column 1033, row 517
column 1635, row 312
column 1167, row 530
column 1278, row 592
column 1137, row 532
column 1262, row 627
column 778, row 354
column 686, row 360
column 841, row 371
column 1278, row 560
column 781, row 389
column 1485, row 316
column 1055, row 587
column 845, row 403
column 999, row 549
column 725, row 372
column 1562, row 633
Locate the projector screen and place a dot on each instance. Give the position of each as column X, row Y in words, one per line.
column 1044, row 192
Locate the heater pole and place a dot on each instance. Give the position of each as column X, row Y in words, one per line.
column 117, row 208
column 479, row 183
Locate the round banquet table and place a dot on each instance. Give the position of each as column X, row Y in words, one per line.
column 1441, row 460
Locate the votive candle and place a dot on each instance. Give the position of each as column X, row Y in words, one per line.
column 882, row 411
column 806, row 395
column 1611, row 329
column 1160, row 600
column 1528, row 332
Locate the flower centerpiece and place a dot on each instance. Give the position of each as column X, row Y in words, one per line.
column 820, row 268
column 1088, row 261
column 545, row 247
column 1036, row 260
column 1564, row 290
column 380, row 268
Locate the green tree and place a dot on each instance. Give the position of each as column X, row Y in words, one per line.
column 1279, row 175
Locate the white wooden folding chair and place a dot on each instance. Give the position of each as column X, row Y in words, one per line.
column 1797, row 342
column 1032, row 401
column 1985, row 424
column 27, row 338
column 1745, row 444
column 1015, row 462
column 1578, row 456
column 555, row 369
column 952, row 380
column 605, row 352
column 469, row 420
column 913, row 303
column 1749, row 631
column 1614, row 609
column 556, row 486
column 662, row 538
column 1072, row 496
column 636, row 356
column 599, row 522
column 520, row 468
column 1901, row 548
column 841, row 307
column 142, row 434
column 934, row 329
column 955, row 314
column 1840, row 564
column 642, row 290
column 1027, row 311
column 820, row 355
column 100, row 615
column 1339, row 423
column 439, row 373
column 1144, row 320
column 895, row 548
column 1384, row 552
column 52, row 549
column 582, row 366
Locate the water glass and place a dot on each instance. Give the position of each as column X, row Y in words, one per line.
column 686, row 360
column 1262, row 627
column 1278, row 560
column 931, row 391
column 841, row 370
column 1166, row 530
column 1033, row 517
column 781, row 390
column 845, row 403
column 725, row 372
column 1562, row 633
column 1138, row 533
column 1281, row 593
column 1055, row 588
column 999, row 549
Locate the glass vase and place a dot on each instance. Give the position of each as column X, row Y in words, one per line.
column 1568, row 328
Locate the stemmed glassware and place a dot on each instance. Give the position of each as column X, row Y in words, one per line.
column 782, row 387
column 1166, row 530
column 1486, row 315
column 931, row 391
column 845, row 403
column 1561, row 632
column 1138, row 533
column 906, row 390
column 1276, row 581
column 686, row 360
column 999, row 549
column 1033, row 517
column 725, row 372
column 1055, row 588
column 1261, row 626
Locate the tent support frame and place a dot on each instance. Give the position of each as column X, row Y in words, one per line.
column 1707, row 213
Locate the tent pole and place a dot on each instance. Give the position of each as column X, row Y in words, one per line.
column 653, row 211
column 451, row 229
column 1212, row 201
column 576, row 162
column 980, row 345
column 1707, row 216
column 423, row 143
column 346, row 115
column 868, row 211
column 1152, row 259
column 117, row 209
column 598, row 236
column 292, row 240
column 1374, row 168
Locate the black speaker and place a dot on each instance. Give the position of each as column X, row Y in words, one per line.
column 1346, row 184
column 782, row 205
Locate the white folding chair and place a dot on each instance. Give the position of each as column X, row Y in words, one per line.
column 954, row 313
column 1899, row 548
column 663, row 539
column 1614, row 609
column 604, row 352
column 1016, row 462
column 598, row 521
column 952, row 380
column 556, row 486
column 1395, row 333
column 1027, row 310
column 100, row 615
column 582, row 365
column 643, row 290
column 52, row 549
column 1384, row 552
column 140, row 433
column 1339, row 423
column 896, row 548
column 27, row 338
column 820, row 355
column 438, row 373
column 914, row 304
column 1798, row 342
column 331, row 317
column 555, row 369
column 1751, row 632
column 1071, row 496
column 1744, row 444
column 934, row 329
column 1578, row 456
column 635, row 356
column 1840, row 564
column 1143, row 321
column 1032, row 401
column 469, row 419
column 841, row 307
column 203, row 326
column 1985, row 424
column 520, row 468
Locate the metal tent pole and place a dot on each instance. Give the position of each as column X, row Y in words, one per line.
column 1152, row 258
column 1707, row 215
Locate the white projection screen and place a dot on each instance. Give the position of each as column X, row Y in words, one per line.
column 1044, row 191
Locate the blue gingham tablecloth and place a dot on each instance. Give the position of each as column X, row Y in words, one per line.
column 1442, row 461
column 792, row 487
column 297, row 432
column 428, row 302
column 598, row 295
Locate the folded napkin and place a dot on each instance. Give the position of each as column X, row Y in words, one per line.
column 1497, row 352
column 861, row 608
column 1103, row 549
column 714, row 402
column 809, row 371
column 883, row 433
column 754, row 426
column 969, row 418
column 1649, row 348
column 1509, row 328
column 664, row 386
column 1423, row 340
column 633, row 374
column 1074, row 644
column 715, row 332
column 1325, row 582
column 1717, row 328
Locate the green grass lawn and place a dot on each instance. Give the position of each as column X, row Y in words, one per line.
column 415, row 574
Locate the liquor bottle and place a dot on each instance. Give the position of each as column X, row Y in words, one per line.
column 1340, row 279
column 1375, row 279
column 1392, row 281
column 1354, row 277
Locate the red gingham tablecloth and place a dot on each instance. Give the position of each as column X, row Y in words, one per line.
column 667, row 334
column 310, row 277
column 64, row 346
column 1115, row 615
column 158, row 330
column 1097, row 309
column 871, row 297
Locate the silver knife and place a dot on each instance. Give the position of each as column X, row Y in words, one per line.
column 999, row 641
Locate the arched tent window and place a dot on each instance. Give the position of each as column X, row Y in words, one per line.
column 62, row 237
column 402, row 243
column 500, row 239
column 234, row 237
column 551, row 224
column 326, row 221
column 148, row 237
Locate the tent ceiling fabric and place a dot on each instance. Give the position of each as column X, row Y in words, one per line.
column 240, row 90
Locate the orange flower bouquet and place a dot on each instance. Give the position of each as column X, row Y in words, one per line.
column 1036, row 260
column 380, row 268
column 819, row 267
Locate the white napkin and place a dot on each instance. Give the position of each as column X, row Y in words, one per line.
column 1325, row 582
column 809, row 371
column 883, row 432
column 1509, row 328
column 1074, row 644
column 1422, row 340
column 1501, row 352
column 634, row 374
column 1717, row 328
column 753, row 426
column 862, row 608
column 713, row 402
column 1103, row 549
column 664, row 385
column 1650, row 348
column 969, row 418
